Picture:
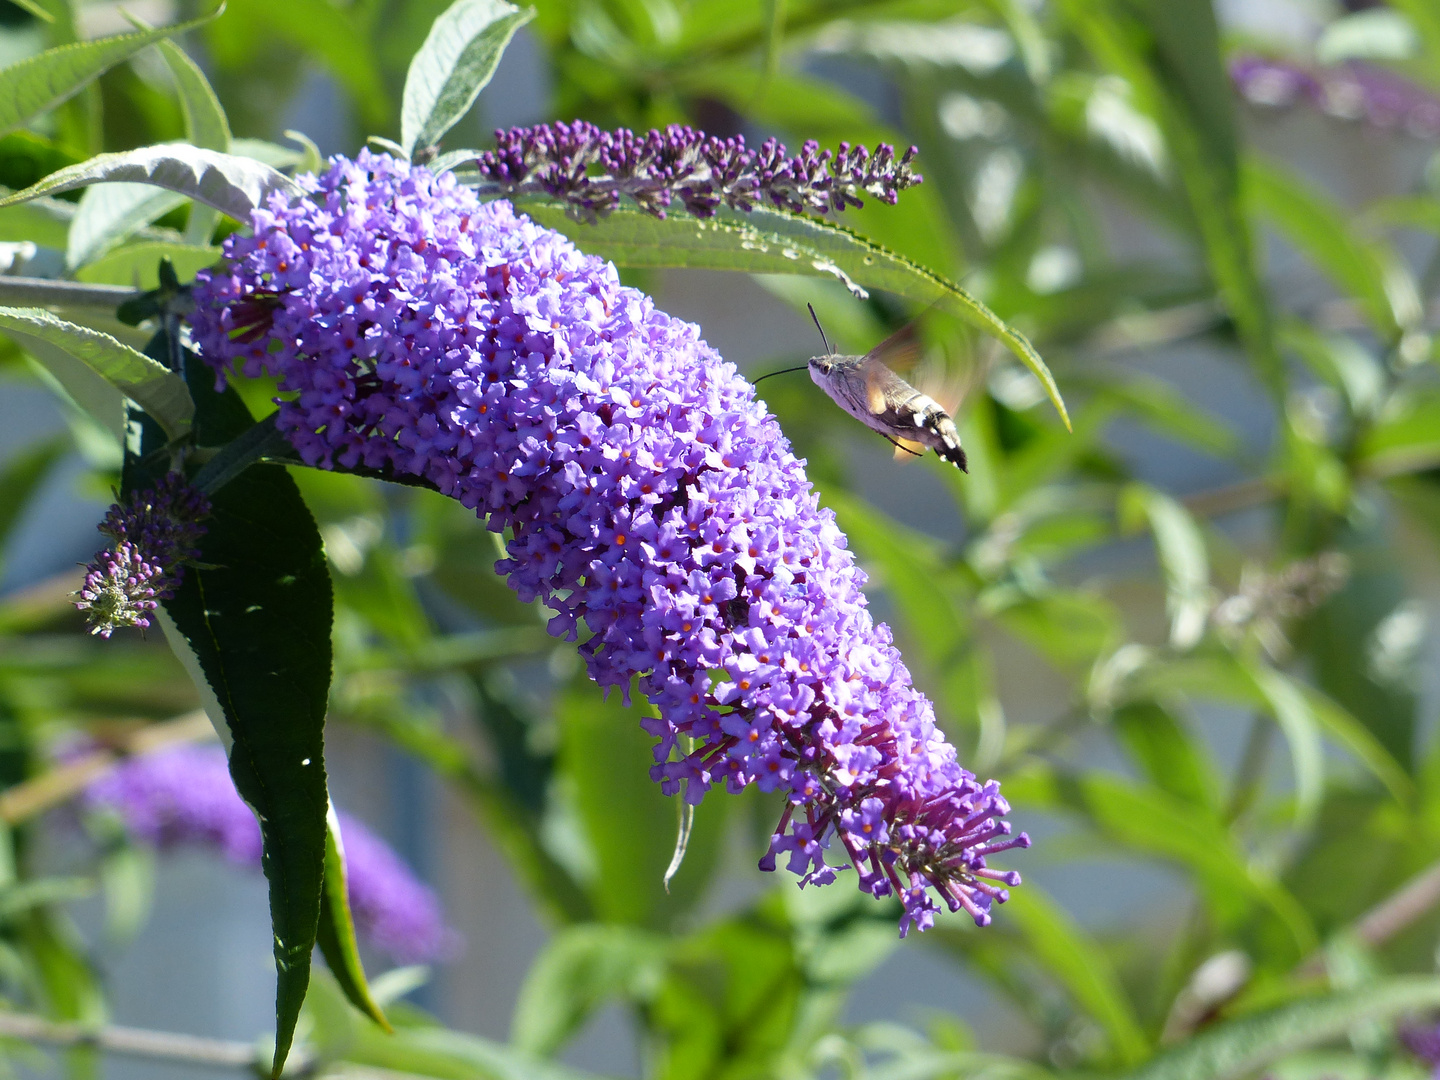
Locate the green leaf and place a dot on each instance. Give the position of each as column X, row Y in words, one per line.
column 53, row 341
column 1145, row 819
column 108, row 214
column 138, row 264
column 1181, row 548
column 769, row 241
column 582, row 969
column 254, row 617
column 1252, row 685
column 1297, row 720
column 45, row 222
column 206, row 126
column 1368, row 270
column 1240, row 1047
column 31, row 86
column 1407, row 438
column 336, row 35
column 1169, row 53
column 452, row 67
column 1376, row 34
column 1167, row 753
column 628, row 822
column 205, row 123
column 231, row 184
column 21, row 477
column 335, row 933
column 1067, row 952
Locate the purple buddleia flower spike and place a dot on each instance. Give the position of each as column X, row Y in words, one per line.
column 183, row 796
column 155, row 533
column 650, row 500
column 590, row 169
column 1351, row 91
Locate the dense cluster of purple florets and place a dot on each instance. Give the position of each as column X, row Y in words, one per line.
column 155, row 533
column 590, row 169
column 184, row 796
column 646, row 494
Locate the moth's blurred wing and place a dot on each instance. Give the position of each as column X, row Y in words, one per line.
column 900, row 350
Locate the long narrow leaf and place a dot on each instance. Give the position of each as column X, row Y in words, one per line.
column 336, row 932
column 1366, row 269
column 1241, row 1047
column 231, row 184
column 157, row 390
column 31, row 86
column 768, row 242
column 456, row 62
column 252, row 622
column 1069, row 954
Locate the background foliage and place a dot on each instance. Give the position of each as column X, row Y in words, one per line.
column 1225, row 682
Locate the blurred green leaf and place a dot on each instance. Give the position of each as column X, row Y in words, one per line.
column 628, row 823
column 582, row 969
column 1169, row 54
column 1181, row 549
column 1368, row 270
column 1238, row 1047
column 1170, row 757
column 138, row 264
column 1145, row 819
column 206, row 125
column 31, row 86
column 20, row 479
column 456, row 62
column 1067, row 952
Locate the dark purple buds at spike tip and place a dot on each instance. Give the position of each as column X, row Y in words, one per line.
column 156, row 531
column 652, row 503
column 590, row 169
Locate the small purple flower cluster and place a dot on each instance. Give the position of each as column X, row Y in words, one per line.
column 591, row 168
column 645, row 492
column 184, row 795
column 1351, row 91
column 155, row 533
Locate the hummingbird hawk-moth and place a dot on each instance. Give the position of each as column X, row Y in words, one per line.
column 868, row 389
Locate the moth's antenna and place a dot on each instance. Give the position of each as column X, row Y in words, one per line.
column 782, row 371
column 828, row 350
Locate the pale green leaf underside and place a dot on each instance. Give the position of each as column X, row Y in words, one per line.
column 456, row 62
column 156, row 389
column 231, row 184
column 108, row 214
column 769, row 242
column 38, row 83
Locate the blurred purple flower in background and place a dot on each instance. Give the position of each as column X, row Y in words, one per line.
column 1351, row 91
column 155, row 533
column 184, row 796
column 1423, row 1040
column 650, row 499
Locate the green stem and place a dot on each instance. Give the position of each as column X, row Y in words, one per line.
column 49, row 292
